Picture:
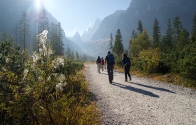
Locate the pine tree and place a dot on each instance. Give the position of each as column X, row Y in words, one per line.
column 77, row 56
column 59, row 40
column 177, row 27
column 16, row 34
column 42, row 21
column 156, row 33
column 53, row 37
column 183, row 40
column 169, row 34
column 84, row 58
column 111, row 42
column 140, row 27
column 133, row 34
column 68, row 52
column 24, row 32
column 118, row 48
column 72, row 55
column 3, row 36
column 35, row 43
column 193, row 38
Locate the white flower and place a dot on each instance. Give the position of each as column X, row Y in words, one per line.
column 57, row 62
column 61, row 78
column 43, row 37
column 49, row 78
column 4, row 69
column 35, row 57
column 50, row 51
column 40, row 50
column 25, row 72
column 40, row 79
column 59, row 86
column 8, row 60
column 61, row 61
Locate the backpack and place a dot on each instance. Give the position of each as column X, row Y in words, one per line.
column 127, row 61
column 110, row 59
column 102, row 62
column 98, row 60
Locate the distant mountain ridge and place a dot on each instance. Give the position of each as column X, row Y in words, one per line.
column 127, row 20
column 147, row 11
column 11, row 12
column 87, row 35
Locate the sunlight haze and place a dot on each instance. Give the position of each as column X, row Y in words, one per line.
column 78, row 15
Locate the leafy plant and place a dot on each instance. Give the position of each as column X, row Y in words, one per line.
column 44, row 89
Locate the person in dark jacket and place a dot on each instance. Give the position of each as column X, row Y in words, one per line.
column 102, row 63
column 98, row 62
column 109, row 61
column 126, row 65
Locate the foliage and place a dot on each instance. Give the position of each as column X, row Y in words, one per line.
column 5, row 37
column 148, row 60
column 177, row 27
column 141, row 42
column 187, row 61
column 174, row 53
column 156, row 33
column 24, row 32
column 140, row 27
column 193, row 38
column 118, row 48
column 42, row 21
column 43, row 89
column 56, row 38
column 111, row 42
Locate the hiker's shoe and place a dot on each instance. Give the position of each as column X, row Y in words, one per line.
column 125, row 80
column 130, row 78
column 110, row 82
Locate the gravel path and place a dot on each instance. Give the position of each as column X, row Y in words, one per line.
column 141, row 101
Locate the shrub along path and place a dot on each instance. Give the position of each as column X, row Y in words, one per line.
column 140, row 101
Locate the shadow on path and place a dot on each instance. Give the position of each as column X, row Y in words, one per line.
column 106, row 73
column 103, row 73
column 141, row 91
column 157, row 88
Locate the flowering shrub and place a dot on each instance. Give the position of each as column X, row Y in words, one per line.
column 42, row 88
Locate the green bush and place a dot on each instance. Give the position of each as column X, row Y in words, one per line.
column 44, row 89
column 187, row 59
column 148, row 60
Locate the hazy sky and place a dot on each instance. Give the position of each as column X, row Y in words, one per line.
column 77, row 15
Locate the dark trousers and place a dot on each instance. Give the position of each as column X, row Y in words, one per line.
column 110, row 72
column 127, row 69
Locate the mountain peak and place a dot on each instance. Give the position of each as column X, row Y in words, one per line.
column 76, row 37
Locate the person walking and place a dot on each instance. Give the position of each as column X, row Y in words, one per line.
column 126, row 63
column 109, row 61
column 102, row 63
column 98, row 62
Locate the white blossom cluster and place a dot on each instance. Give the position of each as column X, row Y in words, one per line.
column 46, row 52
column 58, row 62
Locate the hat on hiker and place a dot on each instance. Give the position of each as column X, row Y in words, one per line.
column 108, row 52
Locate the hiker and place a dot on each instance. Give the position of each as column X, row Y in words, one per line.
column 109, row 60
column 126, row 64
column 102, row 63
column 98, row 62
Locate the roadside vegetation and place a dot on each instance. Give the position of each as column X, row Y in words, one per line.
column 43, row 88
column 170, row 57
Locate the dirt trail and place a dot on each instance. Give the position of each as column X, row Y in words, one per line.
column 141, row 101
